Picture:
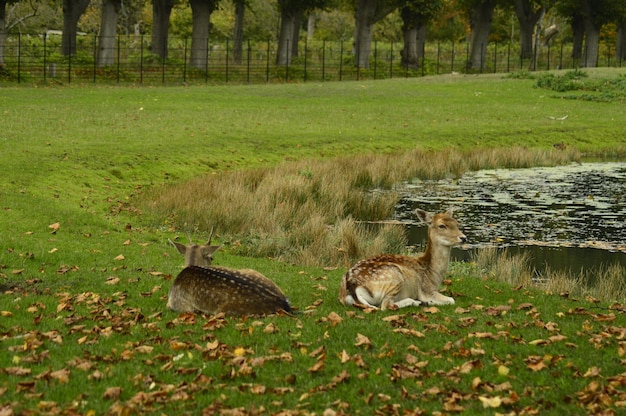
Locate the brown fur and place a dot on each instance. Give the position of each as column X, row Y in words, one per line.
column 393, row 281
column 200, row 287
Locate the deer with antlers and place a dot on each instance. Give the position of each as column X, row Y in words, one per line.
column 395, row 281
column 202, row 287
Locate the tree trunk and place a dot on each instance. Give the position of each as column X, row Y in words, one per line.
column 296, row 35
column 414, row 34
column 620, row 47
column 592, row 36
column 480, row 23
column 527, row 18
column 3, row 35
column 240, row 8
column 288, row 19
column 578, row 34
column 310, row 25
column 108, row 30
column 161, row 11
column 72, row 11
column 201, row 20
column 364, row 20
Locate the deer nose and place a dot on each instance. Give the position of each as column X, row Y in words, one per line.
column 463, row 238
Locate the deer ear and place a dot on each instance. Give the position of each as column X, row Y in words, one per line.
column 209, row 250
column 425, row 217
column 180, row 247
column 451, row 210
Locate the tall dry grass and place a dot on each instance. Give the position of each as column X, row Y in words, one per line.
column 606, row 283
column 312, row 212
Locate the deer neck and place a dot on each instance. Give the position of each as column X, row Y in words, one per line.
column 436, row 258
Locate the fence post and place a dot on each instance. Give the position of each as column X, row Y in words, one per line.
column 141, row 60
column 19, row 58
column 248, row 64
column 376, row 57
column 227, row 47
column 438, row 56
column 391, row 62
column 341, row 61
column 452, row 63
column 119, row 57
column 324, row 60
column 95, row 56
column 495, row 57
column 423, row 57
column 45, row 56
column 287, row 62
column 267, row 68
column 306, row 50
column 508, row 58
column 185, row 61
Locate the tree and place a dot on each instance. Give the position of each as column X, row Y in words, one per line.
column 201, row 11
column 72, row 11
column 587, row 18
column 3, row 18
column 480, row 14
column 416, row 14
column 367, row 13
column 108, row 31
column 291, row 12
column 161, row 11
column 240, row 9
column 529, row 13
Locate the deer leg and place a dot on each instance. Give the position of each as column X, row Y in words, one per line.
column 436, row 298
column 363, row 296
column 403, row 303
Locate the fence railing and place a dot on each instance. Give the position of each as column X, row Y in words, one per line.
column 37, row 58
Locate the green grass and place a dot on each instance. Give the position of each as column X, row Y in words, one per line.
column 83, row 306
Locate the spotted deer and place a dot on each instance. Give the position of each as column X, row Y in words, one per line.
column 201, row 287
column 391, row 281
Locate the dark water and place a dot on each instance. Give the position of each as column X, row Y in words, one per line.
column 568, row 217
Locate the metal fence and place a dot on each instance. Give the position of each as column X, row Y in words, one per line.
column 37, row 59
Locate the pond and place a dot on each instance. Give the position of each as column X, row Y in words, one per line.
column 570, row 218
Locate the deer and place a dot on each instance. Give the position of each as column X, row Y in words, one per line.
column 202, row 287
column 390, row 281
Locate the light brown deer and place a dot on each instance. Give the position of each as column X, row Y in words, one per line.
column 201, row 287
column 393, row 281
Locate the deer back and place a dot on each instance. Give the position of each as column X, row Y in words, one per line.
column 235, row 292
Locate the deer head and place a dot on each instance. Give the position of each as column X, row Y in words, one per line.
column 197, row 255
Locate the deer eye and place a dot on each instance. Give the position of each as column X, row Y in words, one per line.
column 442, row 227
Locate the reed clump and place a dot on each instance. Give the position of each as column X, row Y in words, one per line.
column 319, row 212
column 607, row 283
column 502, row 266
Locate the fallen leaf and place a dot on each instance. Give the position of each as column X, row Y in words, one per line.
column 490, row 401
column 362, row 340
column 112, row 393
column 334, row 318
column 120, row 257
column 55, row 227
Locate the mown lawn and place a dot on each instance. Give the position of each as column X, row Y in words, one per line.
column 84, row 273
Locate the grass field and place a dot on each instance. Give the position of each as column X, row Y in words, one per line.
column 85, row 266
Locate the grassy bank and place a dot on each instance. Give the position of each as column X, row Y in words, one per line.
column 95, row 180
